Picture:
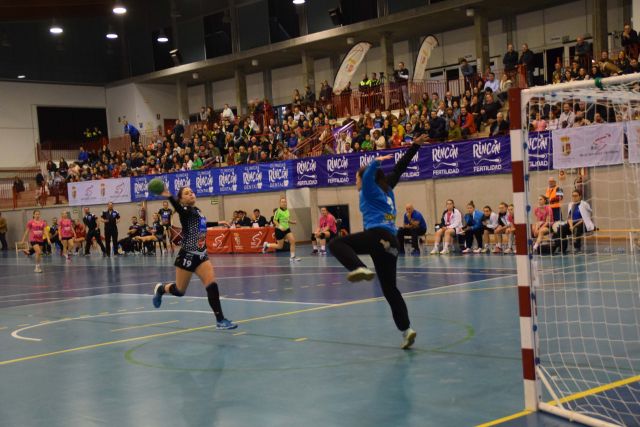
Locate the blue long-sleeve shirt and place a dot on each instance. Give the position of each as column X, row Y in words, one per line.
column 131, row 130
column 474, row 221
column 378, row 207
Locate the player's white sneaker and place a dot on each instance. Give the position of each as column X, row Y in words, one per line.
column 408, row 338
column 360, row 274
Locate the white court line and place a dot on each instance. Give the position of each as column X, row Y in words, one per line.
column 221, row 277
column 16, row 334
column 61, row 299
column 236, row 299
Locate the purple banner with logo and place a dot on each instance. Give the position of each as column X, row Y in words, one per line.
column 446, row 160
column 540, row 151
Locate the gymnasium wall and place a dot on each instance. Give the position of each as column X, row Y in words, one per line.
column 19, row 118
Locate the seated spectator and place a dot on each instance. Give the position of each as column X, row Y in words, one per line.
column 567, row 77
column 579, row 219
column 622, row 62
column 473, row 228
column 633, row 66
column 489, row 110
column 450, row 225
column 539, row 124
column 437, row 127
column 414, row 226
column 492, row 83
column 128, row 244
column 467, row 123
column 553, row 122
column 607, row 66
column 367, row 144
column 489, row 225
column 379, row 141
column 243, row 220
column 258, row 220
column 544, row 219
column 580, row 120
column 146, row 238
column 503, row 228
column 568, row 117
column 203, row 115
column 327, row 229
column 454, row 133
column 500, row 126
column 396, row 140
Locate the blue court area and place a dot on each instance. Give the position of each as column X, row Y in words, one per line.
column 81, row 344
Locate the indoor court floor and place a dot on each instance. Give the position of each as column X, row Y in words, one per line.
column 82, row 345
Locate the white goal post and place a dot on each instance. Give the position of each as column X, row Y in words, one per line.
column 576, row 195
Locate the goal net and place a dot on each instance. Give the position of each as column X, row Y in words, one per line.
column 582, row 191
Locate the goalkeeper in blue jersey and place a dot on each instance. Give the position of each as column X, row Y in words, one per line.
column 378, row 207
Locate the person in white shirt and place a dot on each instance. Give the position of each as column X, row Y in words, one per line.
column 203, row 115
column 492, row 83
column 450, row 227
column 553, row 123
column 579, row 219
column 378, row 140
column 567, row 117
column 227, row 114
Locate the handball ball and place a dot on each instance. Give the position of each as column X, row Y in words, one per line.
column 156, row 186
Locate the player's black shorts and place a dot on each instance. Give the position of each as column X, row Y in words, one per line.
column 167, row 227
column 280, row 234
column 329, row 232
column 37, row 243
column 189, row 261
column 490, row 230
column 67, row 238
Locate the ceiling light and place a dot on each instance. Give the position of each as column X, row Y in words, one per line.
column 111, row 35
column 55, row 29
column 254, row 62
column 298, row 1
column 22, row 76
column 350, row 40
column 119, row 9
column 162, row 38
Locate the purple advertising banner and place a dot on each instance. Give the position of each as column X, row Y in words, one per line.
column 446, row 160
column 540, row 151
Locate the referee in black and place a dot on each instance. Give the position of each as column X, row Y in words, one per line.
column 93, row 231
column 110, row 218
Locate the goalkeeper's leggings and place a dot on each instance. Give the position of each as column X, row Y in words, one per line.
column 382, row 245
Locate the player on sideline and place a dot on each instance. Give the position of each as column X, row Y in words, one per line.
column 165, row 217
column 35, row 230
column 378, row 207
column 281, row 220
column 192, row 257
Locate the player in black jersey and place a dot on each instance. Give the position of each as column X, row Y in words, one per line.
column 165, row 218
column 192, row 257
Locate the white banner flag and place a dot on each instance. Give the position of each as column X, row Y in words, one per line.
column 429, row 43
column 350, row 64
column 596, row 145
column 100, row 192
column 633, row 138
